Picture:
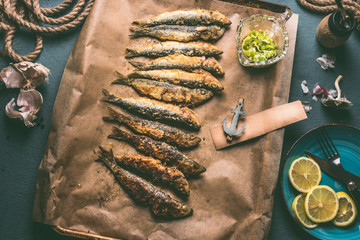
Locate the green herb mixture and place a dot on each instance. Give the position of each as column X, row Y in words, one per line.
column 258, row 46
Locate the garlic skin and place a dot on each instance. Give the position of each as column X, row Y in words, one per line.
column 338, row 102
column 25, row 75
column 30, row 102
column 12, row 78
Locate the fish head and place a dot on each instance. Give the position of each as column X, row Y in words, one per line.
column 197, row 169
column 180, row 210
column 171, row 209
column 182, row 186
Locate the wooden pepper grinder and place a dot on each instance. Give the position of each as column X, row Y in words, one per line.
column 335, row 28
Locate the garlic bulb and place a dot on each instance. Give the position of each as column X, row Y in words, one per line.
column 26, row 76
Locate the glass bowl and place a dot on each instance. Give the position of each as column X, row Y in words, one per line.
column 273, row 26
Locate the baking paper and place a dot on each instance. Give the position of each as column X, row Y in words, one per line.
column 233, row 199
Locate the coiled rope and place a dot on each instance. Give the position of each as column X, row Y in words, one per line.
column 28, row 14
column 328, row 6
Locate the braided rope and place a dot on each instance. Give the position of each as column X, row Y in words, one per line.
column 15, row 14
column 327, row 6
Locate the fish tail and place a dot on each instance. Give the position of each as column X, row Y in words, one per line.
column 134, row 74
column 107, row 157
column 108, row 97
column 122, row 79
column 119, row 135
column 114, row 116
column 140, row 22
column 138, row 31
column 137, row 64
column 129, row 53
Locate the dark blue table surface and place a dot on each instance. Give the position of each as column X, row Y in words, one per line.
column 21, row 148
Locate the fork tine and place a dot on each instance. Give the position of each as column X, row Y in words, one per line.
column 332, row 146
column 322, row 144
column 326, row 141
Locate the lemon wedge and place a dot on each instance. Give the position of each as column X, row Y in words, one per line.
column 347, row 212
column 321, row 204
column 298, row 208
column 304, row 173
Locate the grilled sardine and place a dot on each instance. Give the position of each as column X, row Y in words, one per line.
column 156, row 110
column 168, row 154
column 162, row 204
column 153, row 169
column 172, row 47
column 155, row 130
column 182, row 62
column 190, row 17
column 179, row 33
column 165, row 91
column 198, row 79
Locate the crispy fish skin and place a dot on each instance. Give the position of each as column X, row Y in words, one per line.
column 166, row 92
column 160, row 150
column 162, row 204
column 198, row 79
column 155, row 130
column 179, row 61
column 156, row 110
column 190, row 17
column 179, row 33
column 171, row 47
column 154, row 169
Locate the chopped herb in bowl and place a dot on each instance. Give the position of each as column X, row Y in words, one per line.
column 259, row 46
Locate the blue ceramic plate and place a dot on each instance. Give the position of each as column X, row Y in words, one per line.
column 347, row 142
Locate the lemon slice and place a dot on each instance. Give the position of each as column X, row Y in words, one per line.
column 298, row 208
column 321, row 204
column 304, row 173
column 347, row 212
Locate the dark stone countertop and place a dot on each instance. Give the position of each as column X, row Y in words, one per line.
column 21, row 148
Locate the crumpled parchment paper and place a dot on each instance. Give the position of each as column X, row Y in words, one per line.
column 233, row 199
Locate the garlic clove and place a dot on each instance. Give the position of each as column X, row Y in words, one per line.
column 25, row 75
column 30, row 102
column 12, row 78
column 320, row 90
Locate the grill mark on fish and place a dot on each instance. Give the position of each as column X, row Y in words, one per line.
column 161, row 204
column 178, row 61
column 190, row 17
column 171, row 47
column 155, row 130
column 166, row 92
column 154, row 170
column 179, row 32
column 198, row 79
column 168, row 154
column 156, row 110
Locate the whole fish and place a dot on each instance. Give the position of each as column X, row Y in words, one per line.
column 153, row 169
column 155, row 130
column 168, row 154
column 197, row 79
column 161, row 204
column 156, row 110
column 165, row 91
column 172, row 47
column 178, row 61
column 187, row 17
column 179, row 33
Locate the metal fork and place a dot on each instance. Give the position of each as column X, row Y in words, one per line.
column 327, row 146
